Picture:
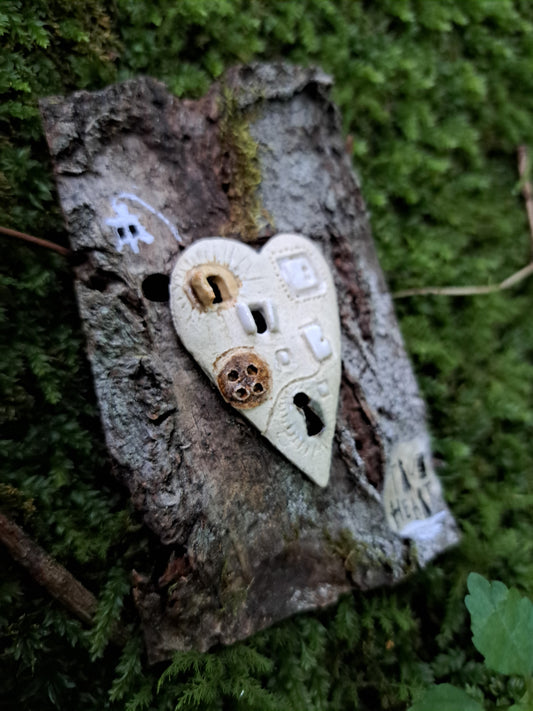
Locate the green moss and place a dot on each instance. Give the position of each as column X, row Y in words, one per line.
column 244, row 179
column 233, row 598
column 358, row 554
column 13, row 502
column 436, row 95
column 233, row 588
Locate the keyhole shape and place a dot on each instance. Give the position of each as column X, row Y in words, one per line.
column 313, row 422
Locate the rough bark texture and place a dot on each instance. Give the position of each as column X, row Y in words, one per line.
column 251, row 540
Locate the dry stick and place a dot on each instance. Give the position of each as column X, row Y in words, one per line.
column 61, row 584
column 35, row 240
column 518, row 276
column 47, row 572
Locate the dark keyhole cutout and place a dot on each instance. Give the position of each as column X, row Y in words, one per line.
column 155, row 287
column 212, row 281
column 312, row 421
column 259, row 319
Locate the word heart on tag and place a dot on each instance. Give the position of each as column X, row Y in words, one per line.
column 264, row 326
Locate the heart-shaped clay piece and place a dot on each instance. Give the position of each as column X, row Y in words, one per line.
column 264, row 326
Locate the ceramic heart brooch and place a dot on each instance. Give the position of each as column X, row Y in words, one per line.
column 264, row 326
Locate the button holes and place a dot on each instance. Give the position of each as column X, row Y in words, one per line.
column 243, row 378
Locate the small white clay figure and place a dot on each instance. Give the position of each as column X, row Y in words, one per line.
column 128, row 229
column 264, row 326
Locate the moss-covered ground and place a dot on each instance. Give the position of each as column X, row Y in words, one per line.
column 436, row 95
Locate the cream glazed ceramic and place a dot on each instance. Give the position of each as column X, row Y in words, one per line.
column 264, row 326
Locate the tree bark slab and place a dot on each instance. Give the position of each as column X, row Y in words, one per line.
column 251, row 540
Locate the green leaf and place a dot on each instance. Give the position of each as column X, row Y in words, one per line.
column 502, row 625
column 446, row 697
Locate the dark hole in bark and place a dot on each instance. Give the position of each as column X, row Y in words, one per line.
column 312, row 420
column 155, row 287
column 211, row 280
column 259, row 319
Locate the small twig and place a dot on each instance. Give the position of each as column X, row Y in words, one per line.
column 518, row 276
column 446, row 291
column 527, row 191
column 46, row 571
column 35, row 240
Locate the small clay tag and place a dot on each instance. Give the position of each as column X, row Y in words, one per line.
column 264, row 326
